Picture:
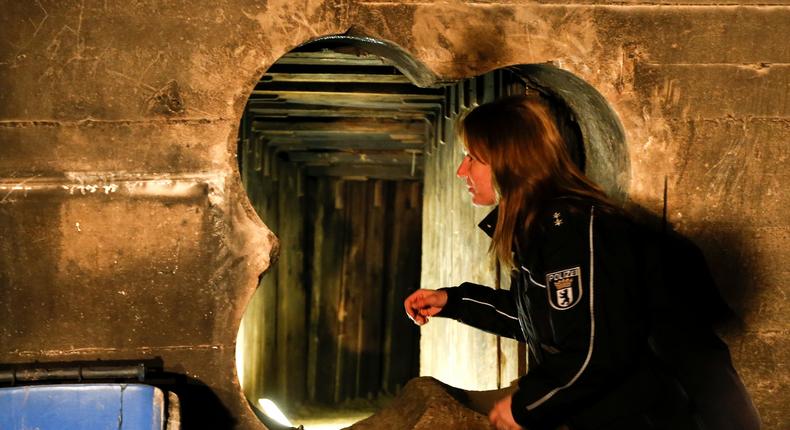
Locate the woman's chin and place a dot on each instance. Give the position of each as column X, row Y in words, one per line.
column 482, row 202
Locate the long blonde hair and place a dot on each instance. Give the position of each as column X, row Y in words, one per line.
column 519, row 138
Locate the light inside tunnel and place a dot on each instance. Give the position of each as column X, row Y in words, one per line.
column 331, row 153
column 273, row 412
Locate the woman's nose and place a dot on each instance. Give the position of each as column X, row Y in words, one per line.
column 462, row 169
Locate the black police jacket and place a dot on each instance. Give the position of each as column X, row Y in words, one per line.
column 579, row 299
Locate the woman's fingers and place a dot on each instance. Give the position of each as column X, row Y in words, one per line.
column 411, row 303
column 423, row 303
column 431, row 298
column 412, row 308
column 415, row 316
column 416, row 301
column 408, row 306
column 430, row 311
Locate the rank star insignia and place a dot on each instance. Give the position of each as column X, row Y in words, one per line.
column 557, row 219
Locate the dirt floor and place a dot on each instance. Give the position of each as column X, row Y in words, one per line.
column 336, row 417
column 425, row 404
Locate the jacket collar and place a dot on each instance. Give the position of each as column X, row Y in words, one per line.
column 488, row 224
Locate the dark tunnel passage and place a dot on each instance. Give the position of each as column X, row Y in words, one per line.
column 332, row 151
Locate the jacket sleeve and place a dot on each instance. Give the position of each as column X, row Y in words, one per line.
column 595, row 338
column 483, row 307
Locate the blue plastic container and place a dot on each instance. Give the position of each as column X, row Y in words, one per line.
column 82, row 406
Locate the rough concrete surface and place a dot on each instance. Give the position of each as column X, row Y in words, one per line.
column 126, row 233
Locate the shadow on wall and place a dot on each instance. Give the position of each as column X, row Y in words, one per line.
column 733, row 273
column 721, row 274
column 687, row 308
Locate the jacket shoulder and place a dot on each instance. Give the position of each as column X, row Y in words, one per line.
column 564, row 215
column 569, row 219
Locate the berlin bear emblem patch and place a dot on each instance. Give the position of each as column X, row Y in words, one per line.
column 564, row 288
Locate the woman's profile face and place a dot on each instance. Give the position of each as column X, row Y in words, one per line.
column 479, row 180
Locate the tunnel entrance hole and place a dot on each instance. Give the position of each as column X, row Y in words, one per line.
column 333, row 148
column 331, row 155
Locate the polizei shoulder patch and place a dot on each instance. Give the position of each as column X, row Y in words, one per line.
column 564, row 288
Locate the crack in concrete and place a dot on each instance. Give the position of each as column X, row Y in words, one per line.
column 143, row 349
column 757, row 66
column 37, row 28
column 93, row 121
column 17, row 187
column 120, row 410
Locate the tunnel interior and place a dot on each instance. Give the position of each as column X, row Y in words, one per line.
column 332, row 152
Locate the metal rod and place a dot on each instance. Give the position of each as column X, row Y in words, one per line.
column 79, row 373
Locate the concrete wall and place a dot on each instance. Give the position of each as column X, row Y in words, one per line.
column 126, row 232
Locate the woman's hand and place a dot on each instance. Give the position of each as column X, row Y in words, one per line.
column 423, row 303
column 501, row 416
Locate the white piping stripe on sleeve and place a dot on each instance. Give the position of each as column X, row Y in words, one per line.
column 489, row 304
column 592, row 329
column 531, row 279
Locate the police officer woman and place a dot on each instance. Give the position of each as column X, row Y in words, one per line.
column 579, row 283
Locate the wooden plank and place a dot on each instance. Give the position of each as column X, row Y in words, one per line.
column 249, row 343
column 291, row 144
column 327, row 158
column 335, row 77
column 351, row 302
column 268, row 196
column 291, row 329
column 333, row 68
column 366, row 171
column 277, row 136
column 329, row 243
column 313, row 244
column 271, row 102
column 356, row 100
column 323, row 58
column 368, row 380
column 354, row 141
column 344, row 87
column 389, row 286
column 356, row 125
column 306, row 112
column 402, row 276
column 351, row 141
column 340, row 97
